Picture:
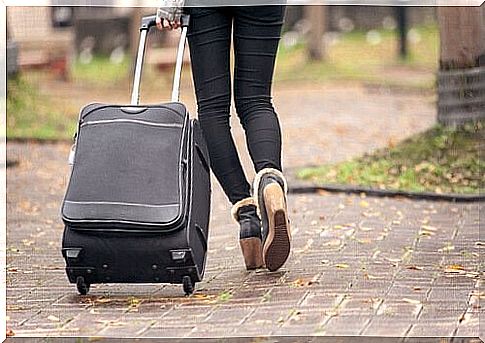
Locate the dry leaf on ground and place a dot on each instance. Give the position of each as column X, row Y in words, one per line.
column 412, row 301
column 413, row 267
column 342, row 265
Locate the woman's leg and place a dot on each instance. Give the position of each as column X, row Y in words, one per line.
column 256, row 36
column 210, row 40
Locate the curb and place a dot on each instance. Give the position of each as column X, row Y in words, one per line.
column 306, row 189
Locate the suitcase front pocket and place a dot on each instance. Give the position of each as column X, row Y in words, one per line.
column 126, row 171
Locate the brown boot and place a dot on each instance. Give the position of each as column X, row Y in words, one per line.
column 270, row 193
column 245, row 213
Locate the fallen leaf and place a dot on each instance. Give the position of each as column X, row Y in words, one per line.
column 412, row 301
column 342, row 265
column 332, row 243
column 447, row 248
column 413, row 267
column 27, row 242
column 10, row 333
column 53, row 318
column 202, row 296
column 429, row 228
column 370, row 277
column 364, row 204
column 455, row 268
column 426, row 233
column 364, row 241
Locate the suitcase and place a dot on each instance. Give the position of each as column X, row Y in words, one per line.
column 137, row 204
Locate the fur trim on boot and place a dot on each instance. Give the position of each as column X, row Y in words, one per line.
column 235, row 208
column 257, row 180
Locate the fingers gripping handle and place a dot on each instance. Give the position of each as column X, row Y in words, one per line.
column 146, row 24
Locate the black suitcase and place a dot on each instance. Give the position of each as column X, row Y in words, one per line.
column 137, row 205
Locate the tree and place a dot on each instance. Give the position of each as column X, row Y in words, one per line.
column 315, row 15
column 461, row 91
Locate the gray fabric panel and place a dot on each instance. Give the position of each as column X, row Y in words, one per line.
column 77, row 211
column 126, row 162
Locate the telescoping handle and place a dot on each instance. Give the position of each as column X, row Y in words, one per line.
column 147, row 23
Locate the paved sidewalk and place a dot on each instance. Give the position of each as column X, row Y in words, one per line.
column 359, row 265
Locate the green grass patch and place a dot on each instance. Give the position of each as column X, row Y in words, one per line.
column 441, row 160
column 101, row 71
column 31, row 114
column 352, row 56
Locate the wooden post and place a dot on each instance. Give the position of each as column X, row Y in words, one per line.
column 461, row 90
column 316, row 17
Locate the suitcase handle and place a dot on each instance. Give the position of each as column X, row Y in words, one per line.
column 146, row 24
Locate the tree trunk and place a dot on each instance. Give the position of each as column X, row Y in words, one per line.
column 135, row 30
column 316, row 18
column 461, row 90
column 402, row 26
column 462, row 34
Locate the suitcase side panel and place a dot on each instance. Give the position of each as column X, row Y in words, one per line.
column 200, row 199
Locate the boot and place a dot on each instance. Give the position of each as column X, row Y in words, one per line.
column 245, row 213
column 270, row 189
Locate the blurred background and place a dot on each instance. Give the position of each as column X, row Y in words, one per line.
column 376, row 96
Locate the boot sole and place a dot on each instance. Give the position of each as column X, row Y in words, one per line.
column 252, row 251
column 276, row 247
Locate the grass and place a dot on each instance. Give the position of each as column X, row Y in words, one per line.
column 441, row 160
column 353, row 57
column 31, row 114
column 100, row 71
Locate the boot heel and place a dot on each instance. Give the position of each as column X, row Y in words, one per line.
column 252, row 252
column 276, row 248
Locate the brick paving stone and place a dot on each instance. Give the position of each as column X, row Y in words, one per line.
column 387, row 327
column 343, row 325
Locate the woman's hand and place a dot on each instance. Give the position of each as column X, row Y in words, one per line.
column 168, row 15
column 165, row 24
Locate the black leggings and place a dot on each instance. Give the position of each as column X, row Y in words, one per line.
column 256, row 35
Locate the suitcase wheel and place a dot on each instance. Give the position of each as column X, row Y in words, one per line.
column 188, row 285
column 82, row 286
